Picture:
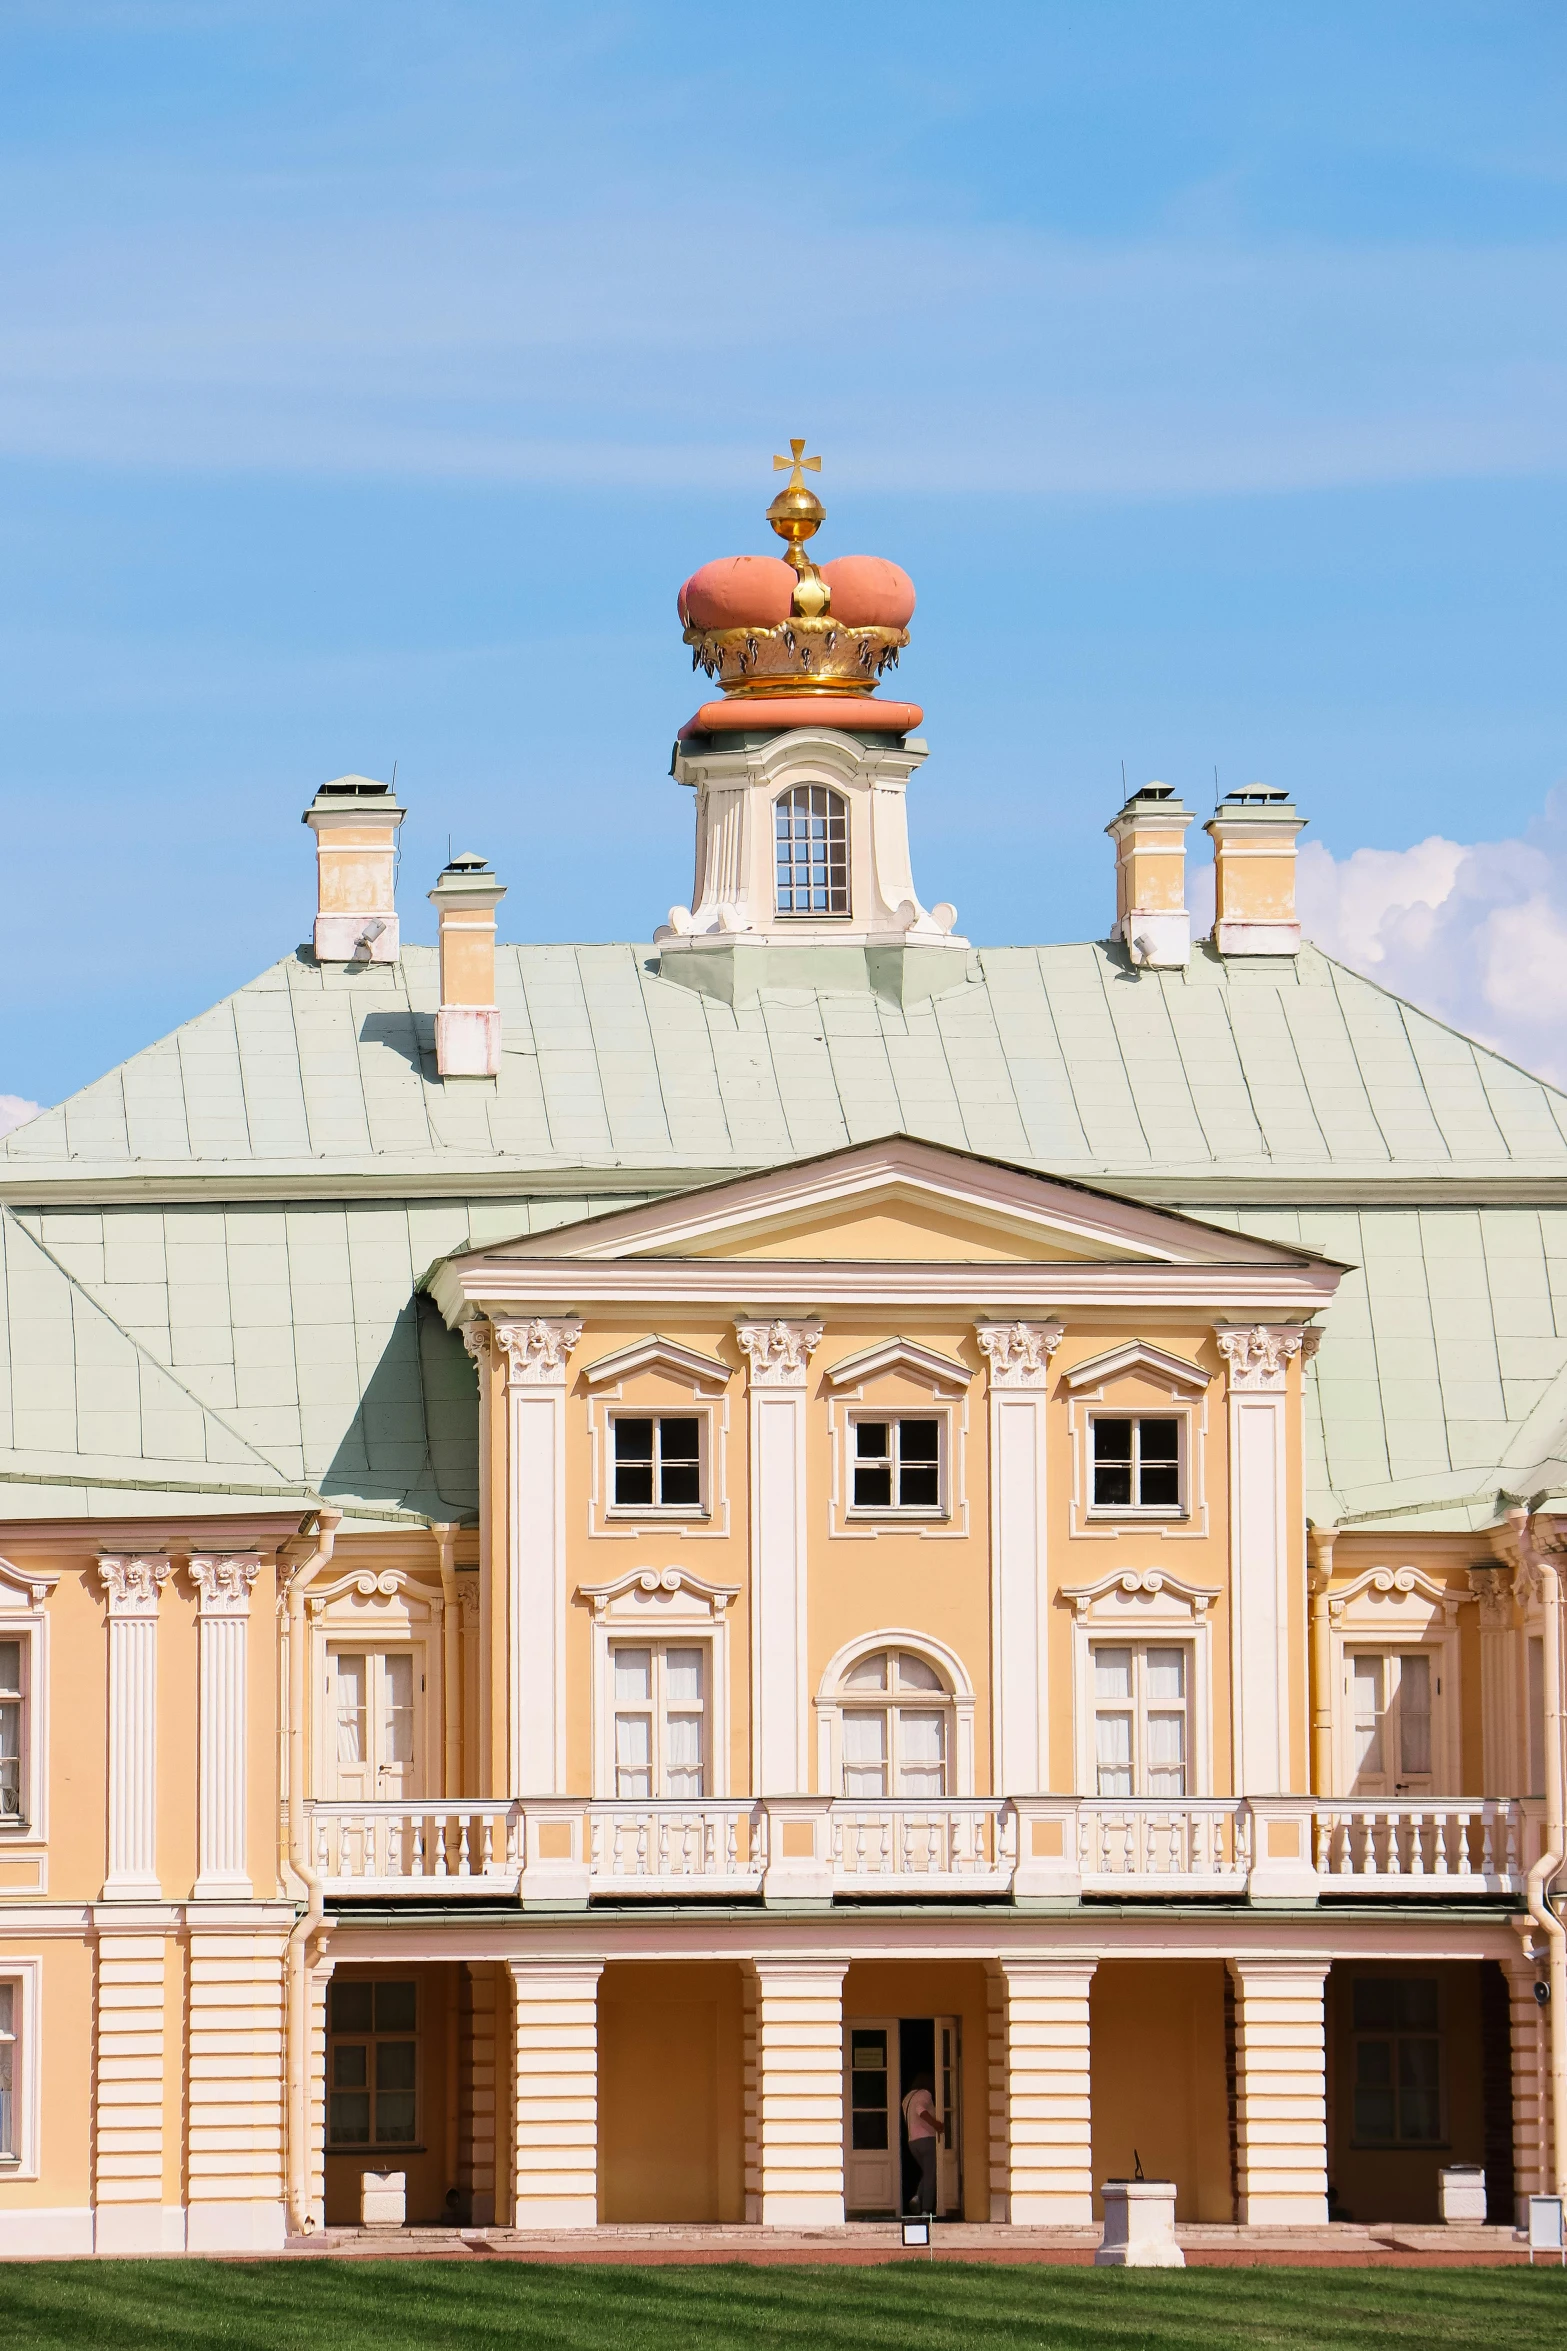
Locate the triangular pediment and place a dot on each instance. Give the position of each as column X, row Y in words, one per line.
column 901, row 1200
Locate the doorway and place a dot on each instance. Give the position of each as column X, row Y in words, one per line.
column 884, row 2058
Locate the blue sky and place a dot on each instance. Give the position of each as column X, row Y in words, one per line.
column 372, row 375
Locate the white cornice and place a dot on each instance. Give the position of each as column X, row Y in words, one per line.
column 502, row 1287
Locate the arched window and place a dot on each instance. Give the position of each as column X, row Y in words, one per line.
column 812, row 829
column 897, row 1728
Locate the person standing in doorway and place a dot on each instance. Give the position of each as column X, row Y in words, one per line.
column 922, row 2128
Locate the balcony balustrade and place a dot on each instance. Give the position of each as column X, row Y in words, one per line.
column 565, row 1851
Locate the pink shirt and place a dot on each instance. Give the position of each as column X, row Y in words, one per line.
column 919, row 2115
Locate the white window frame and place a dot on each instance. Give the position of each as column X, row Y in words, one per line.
column 1170, row 1388
column 366, row 2150
column 899, row 1513
column 664, row 1513
column 386, row 1609
column 1143, row 1606
column 24, row 1618
column 843, row 913
column 1398, row 1608
column 1143, row 1513
column 25, row 1976
column 948, row 1384
column 834, row 1699
column 702, row 1388
column 1140, row 1706
column 659, row 1709
column 368, row 1646
column 645, row 1606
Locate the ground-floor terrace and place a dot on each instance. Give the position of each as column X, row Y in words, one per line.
column 717, row 2066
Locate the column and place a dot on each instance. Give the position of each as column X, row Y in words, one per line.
column 1499, row 1756
column 235, row 2125
column 224, row 1586
column 799, row 2064
column 476, row 2164
column 535, row 1354
column 1018, row 1354
column 778, row 1355
column 128, row 2213
column 1281, row 2103
column 1258, row 1356
column 1048, row 2103
column 318, row 1991
column 1531, row 2083
column 751, row 2096
column 998, row 2122
column 556, row 2061
column 133, row 1587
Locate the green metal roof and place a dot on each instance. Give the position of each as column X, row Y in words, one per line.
column 210, row 1255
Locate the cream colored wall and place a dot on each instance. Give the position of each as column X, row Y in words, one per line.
column 64, row 2179
column 956, row 1989
column 671, row 2119
column 899, row 1233
column 1156, row 2036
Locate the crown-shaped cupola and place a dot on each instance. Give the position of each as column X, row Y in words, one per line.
column 800, row 773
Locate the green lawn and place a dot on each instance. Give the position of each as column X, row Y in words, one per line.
column 331, row 2305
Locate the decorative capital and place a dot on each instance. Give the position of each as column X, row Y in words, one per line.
column 1019, row 1352
column 476, row 1338
column 536, row 1350
column 1493, row 1588
column 134, row 1585
column 778, row 1353
column 225, row 1585
column 1258, row 1354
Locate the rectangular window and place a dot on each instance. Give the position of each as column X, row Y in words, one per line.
column 10, row 2071
column 13, row 1699
column 374, row 1708
column 1140, row 1721
column 1398, row 2061
column 658, row 1461
column 660, row 1694
column 372, row 2065
column 1137, row 1462
column 897, row 1464
column 1391, row 1695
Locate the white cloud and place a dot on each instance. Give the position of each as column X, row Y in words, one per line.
column 15, row 1111
column 1476, row 933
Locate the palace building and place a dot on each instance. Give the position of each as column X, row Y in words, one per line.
column 615, row 1554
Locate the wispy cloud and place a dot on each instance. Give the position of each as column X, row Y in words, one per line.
column 15, row 1111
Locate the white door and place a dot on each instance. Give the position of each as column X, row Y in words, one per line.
column 374, row 1723
column 1391, row 1695
column 949, row 2105
column 872, row 2102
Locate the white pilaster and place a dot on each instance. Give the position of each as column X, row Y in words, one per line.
column 1258, row 1356
column 535, row 1354
column 1500, row 1757
column 556, row 2057
column 235, row 2125
column 1281, row 2093
column 225, row 1586
column 134, row 1586
column 1049, row 2106
column 1018, row 1354
column 129, row 2212
column 799, row 2052
column 778, row 1355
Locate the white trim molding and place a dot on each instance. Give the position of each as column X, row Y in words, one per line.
column 1137, row 1355
column 703, row 1377
column 957, row 1688
column 661, row 1604
column 949, row 1383
column 26, row 1978
column 704, row 1372
column 225, row 1586
column 1017, row 1355
column 940, row 1371
column 535, row 1353
column 134, row 1586
column 778, row 1356
column 24, row 1616
column 1399, row 1608
column 1142, row 1604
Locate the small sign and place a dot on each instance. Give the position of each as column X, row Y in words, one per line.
column 1545, row 2228
column 917, row 2232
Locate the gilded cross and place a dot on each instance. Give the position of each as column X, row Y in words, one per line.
column 795, row 459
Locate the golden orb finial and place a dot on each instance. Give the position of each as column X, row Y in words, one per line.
column 797, row 514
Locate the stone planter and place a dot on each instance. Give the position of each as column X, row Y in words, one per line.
column 1462, row 2191
column 1139, row 2228
column 383, row 2199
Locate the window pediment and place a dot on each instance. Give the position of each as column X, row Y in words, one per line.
column 369, row 1591
column 25, row 1587
column 1145, row 1595
column 691, row 1369
column 670, row 1592
column 1391, row 1599
column 1171, row 1372
column 941, row 1372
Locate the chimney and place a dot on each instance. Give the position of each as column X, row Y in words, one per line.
column 468, row 1024
column 1150, row 878
column 355, row 823
column 1253, row 834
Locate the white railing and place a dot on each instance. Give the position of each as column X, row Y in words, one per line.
column 416, row 1848
column 957, row 1845
column 1452, row 1846
column 677, row 1847
column 1193, row 1845
column 569, row 1850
